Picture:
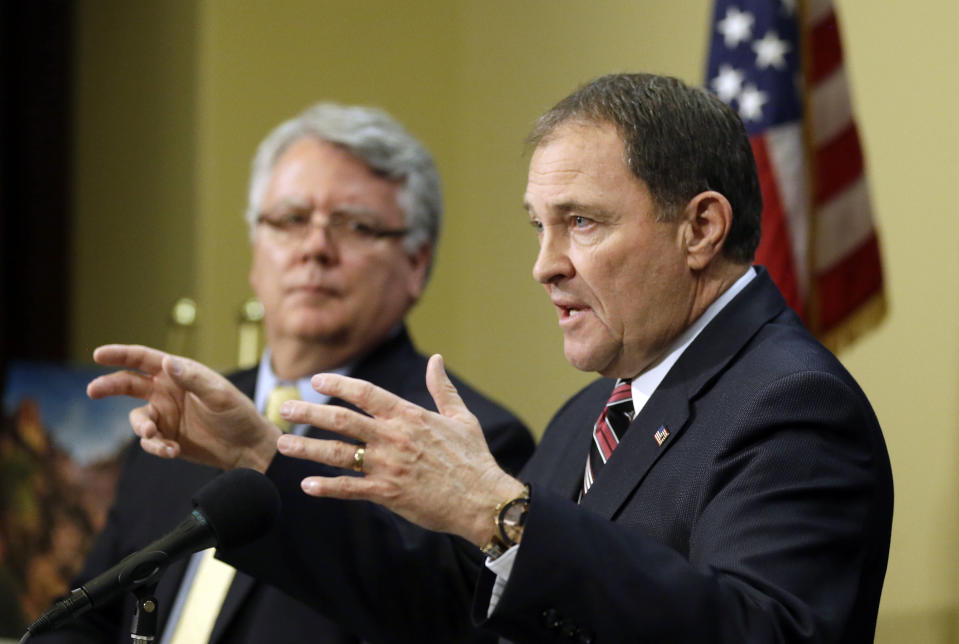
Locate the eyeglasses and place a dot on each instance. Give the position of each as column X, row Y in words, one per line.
column 292, row 224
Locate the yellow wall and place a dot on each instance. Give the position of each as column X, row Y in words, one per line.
column 899, row 60
column 173, row 95
column 135, row 175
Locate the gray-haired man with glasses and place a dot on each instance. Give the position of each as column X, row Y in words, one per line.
column 344, row 212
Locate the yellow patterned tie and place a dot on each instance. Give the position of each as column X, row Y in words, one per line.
column 204, row 601
column 278, row 396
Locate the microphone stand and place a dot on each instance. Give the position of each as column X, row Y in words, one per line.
column 143, row 630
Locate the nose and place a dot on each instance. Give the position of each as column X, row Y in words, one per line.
column 318, row 244
column 552, row 263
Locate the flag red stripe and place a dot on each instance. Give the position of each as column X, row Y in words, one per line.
column 775, row 248
column 849, row 284
column 825, row 49
column 811, row 185
column 839, row 164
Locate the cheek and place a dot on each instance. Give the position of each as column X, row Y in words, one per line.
column 365, row 280
column 268, row 260
column 265, row 271
column 620, row 284
column 606, row 276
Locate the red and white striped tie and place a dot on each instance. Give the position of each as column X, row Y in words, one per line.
column 612, row 423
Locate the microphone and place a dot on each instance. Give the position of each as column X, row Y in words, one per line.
column 231, row 510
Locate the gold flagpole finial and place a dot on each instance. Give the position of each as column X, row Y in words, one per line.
column 249, row 333
column 180, row 327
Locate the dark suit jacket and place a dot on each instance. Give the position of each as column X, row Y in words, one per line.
column 764, row 517
column 154, row 494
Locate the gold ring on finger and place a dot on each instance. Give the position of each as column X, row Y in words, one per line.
column 358, row 456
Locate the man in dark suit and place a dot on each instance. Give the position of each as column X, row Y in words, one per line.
column 725, row 481
column 344, row 212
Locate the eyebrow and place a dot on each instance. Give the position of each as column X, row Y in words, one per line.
column 567, row 207
column 357, row 209
column 288, row 202
column 345, row 208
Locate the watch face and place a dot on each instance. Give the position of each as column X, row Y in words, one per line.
column 514, row 515
column 511, row 520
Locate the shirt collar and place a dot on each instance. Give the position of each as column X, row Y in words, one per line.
column 266, row 381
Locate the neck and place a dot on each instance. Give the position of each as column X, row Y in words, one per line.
column 293, row 359
column 708, row 287
column 713, row 282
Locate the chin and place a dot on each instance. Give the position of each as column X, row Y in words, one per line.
column 307, row 318
column 581, row 359
column 316, row 330
column 601, row 360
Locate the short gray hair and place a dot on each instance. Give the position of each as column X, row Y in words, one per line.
column 376, row 139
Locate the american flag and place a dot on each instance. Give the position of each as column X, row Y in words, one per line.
column 779, row 63
column 661, row 435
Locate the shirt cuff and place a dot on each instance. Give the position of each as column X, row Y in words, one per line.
column 502, row 566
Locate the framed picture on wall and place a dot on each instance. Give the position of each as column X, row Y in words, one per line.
column 60, row 457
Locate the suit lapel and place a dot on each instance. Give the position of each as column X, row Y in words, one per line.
column 560, row 458
column 567, row 475
column 669, row 407
column 242, row 585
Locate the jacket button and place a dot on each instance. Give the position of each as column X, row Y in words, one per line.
column 569, row 629
column 551, row 618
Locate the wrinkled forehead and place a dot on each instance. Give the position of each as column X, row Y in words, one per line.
column 577, row 156
column 587, row 133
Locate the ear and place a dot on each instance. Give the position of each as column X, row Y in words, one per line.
column 419, row 265
column 706, row 221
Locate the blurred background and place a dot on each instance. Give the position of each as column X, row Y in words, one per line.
column 128, row 129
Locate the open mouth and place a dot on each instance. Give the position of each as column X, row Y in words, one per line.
column 571, row 312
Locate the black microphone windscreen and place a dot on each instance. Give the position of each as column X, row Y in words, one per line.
column 240, row 505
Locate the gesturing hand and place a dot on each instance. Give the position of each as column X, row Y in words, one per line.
column 434, row 469
column 191, row 411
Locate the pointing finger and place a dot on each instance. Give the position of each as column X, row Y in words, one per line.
column 129, row 356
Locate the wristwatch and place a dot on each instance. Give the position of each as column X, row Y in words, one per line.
column 509, row 519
